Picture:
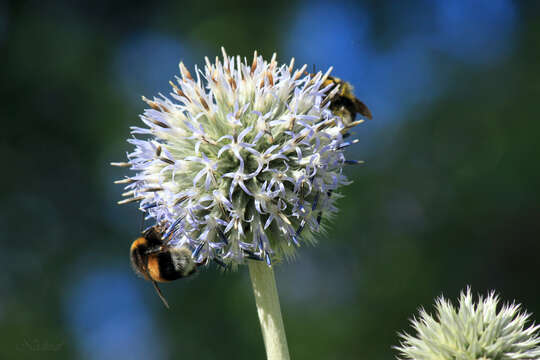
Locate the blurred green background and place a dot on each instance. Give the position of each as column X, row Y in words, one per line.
column 448, row 196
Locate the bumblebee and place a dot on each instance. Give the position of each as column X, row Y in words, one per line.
column 343, row 102
column 155, row 261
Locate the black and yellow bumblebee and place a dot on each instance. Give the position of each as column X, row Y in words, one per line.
column 343, row 103
column 156, row 261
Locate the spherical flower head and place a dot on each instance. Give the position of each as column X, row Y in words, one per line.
column 241, row 161
column 472, row 332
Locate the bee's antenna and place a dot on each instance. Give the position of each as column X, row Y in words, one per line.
column 158, row 290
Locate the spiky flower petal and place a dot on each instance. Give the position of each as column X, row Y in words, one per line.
column 241, row 161
column 472, row 331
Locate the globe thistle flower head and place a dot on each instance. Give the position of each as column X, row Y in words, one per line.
column 472, row 331
column 242, row 160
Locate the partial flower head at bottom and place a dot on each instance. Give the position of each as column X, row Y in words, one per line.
column 472, row 331
column 241, row 161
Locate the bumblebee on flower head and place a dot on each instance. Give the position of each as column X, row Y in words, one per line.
column 156, row 261
column 344, row 104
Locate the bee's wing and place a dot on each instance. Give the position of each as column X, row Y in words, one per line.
column 362, row 109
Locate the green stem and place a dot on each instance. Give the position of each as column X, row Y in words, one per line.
column 267, row 300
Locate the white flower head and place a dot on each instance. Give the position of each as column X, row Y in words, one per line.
column 472, row 331
column 241, row 161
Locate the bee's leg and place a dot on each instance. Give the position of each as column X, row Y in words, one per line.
column 160, row 294
column 156, row 287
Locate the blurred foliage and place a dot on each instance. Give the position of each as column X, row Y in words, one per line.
column 448, row 198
